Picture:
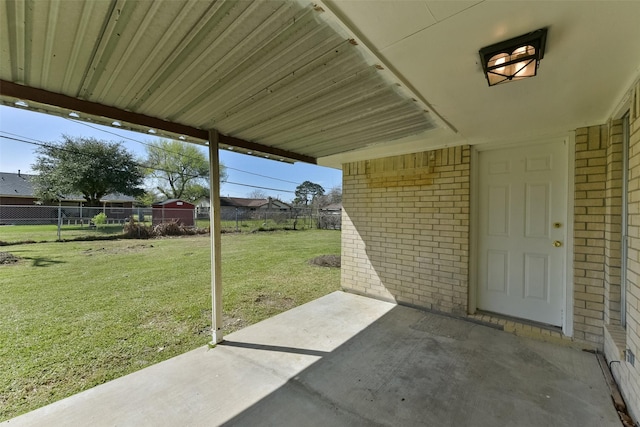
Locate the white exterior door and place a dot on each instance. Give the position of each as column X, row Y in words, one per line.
column 522, row 231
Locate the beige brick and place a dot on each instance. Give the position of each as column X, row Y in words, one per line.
column 409, row 232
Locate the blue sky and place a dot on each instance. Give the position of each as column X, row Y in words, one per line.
column 281, row 177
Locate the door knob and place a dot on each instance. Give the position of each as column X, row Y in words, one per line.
column 557, row 243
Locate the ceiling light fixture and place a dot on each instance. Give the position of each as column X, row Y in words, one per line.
column 513, row 59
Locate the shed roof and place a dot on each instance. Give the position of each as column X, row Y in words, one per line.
column 174, row 201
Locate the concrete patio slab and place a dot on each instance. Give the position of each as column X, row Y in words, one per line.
column 346, row 360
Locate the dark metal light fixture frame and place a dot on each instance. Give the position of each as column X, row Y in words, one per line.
column 513, row 59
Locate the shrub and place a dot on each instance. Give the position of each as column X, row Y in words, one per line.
column 100, row 219
column 171, row 228
column 136, row 230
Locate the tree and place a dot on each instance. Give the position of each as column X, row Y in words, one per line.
column 333, row 196
column 179, row 170
column 257, row 194
column 148, row 198
column 195, row 192
column 307, row 192
column 87, row 166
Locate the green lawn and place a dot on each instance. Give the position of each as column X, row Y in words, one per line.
column 49, row 233
column 77, row 314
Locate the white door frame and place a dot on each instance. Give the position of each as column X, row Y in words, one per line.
column 570, row 143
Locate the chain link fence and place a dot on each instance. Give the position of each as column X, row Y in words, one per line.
column 50, row 222
column 296, row 218
column 68, row 215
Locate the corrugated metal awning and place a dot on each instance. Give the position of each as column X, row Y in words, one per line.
column 285, row 75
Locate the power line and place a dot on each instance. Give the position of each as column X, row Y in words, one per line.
column 262, row 176
column 20, row 136
column 148, row 144
column 262, row 188
column 105, row 131
column 46, row 145
column 35, row 142
column 168, row 151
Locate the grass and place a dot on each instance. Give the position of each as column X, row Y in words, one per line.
column 49, row 233
column 245, row 225
column 77, row 314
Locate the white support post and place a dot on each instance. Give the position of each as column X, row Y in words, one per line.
column 216, row 236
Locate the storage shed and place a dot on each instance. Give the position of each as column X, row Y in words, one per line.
column 174, row 210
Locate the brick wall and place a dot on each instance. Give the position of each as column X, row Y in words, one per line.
column 626, row 374
column 613, row 224
column 405, row 233
column 589, row 233
column 406, row 237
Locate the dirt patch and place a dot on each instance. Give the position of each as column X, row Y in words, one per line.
column 124, row 250
column 326, row 261
column 278, row 301
column 6, row 258
column 231, row 324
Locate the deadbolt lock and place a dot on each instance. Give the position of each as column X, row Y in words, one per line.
column 557, row 243
column 557, row 225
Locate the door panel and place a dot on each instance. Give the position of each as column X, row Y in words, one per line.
column 522, row 210
column 499, row 218
column 536, row 276
column 498, row 271
column 537, row 210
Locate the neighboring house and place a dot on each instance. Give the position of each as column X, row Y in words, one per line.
column 232, row 208
column 516, row 205
column 332, row 209
column 19, row 205
column 16, row 189
column 238, row 208
column 255, row 204
column 330, row 217
column 203, row 208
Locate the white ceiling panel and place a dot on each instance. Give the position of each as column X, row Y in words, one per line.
column 384, row 22
column 442, row 10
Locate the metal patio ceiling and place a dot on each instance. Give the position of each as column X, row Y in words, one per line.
column 277, row 78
